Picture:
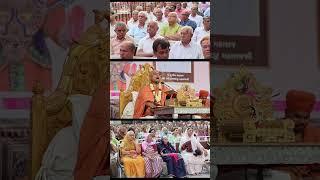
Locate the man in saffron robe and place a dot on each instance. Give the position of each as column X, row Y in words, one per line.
column 79, row 151
column 150, row 96
column 93, row 158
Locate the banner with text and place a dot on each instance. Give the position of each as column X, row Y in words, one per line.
column 240, row 35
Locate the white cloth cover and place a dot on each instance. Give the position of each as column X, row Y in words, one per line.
column 80, row 106
column 129, row 109
column 61, row 155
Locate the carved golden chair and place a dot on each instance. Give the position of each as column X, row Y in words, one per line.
column 139, row 80
column 241, row 98
column 84, row 69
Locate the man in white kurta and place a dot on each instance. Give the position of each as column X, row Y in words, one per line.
column 202, row 31
column 195, row 17
column 149, row 12
column 140, row 31
column 186, row 49
column 115, row 43
column 134, row 20
column 145, row 44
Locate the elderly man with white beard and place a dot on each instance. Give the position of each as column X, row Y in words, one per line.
column 186, row 49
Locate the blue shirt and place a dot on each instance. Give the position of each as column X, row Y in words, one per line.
column 207, row 12
column 138, row 33
column 189, row 23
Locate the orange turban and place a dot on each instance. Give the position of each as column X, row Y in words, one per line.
column 203, row 93
column 300, row 101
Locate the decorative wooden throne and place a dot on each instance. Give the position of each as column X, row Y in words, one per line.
column 84, row 69
column 139, row 80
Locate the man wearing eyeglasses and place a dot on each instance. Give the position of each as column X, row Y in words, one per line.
column 194, row 16
column 205, row 45
column 145, row 44
column 115, row 43
column 185, row 21
column 161, row 48
column 140, row 31
column 202, row 31
column 186, row 48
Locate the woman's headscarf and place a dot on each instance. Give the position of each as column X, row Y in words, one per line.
column 167, row 146
column 145, row 143
column 128, row 144
column 121, row 133
column 185, row 138
column 168, row 149
column 151, row 130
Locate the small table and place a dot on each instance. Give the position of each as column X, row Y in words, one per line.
column 176, row 111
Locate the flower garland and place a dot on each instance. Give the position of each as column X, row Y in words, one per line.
column 157, row 96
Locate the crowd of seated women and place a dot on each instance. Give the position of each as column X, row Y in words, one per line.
column 156, row 152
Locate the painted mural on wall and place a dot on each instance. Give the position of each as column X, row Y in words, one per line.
column 24, row 28
column 120, row 75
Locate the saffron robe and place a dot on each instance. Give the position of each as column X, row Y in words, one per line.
column 145, row 95
column 93, row 158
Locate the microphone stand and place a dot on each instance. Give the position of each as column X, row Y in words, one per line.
column 171, row 92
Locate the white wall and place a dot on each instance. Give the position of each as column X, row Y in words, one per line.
column 293, row 58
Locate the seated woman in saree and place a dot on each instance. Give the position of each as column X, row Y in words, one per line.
column 174, row 161
column 193, row 153
column 133, row 162
column 153, row 161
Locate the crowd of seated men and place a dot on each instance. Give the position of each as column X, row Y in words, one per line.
column 181, row 30
column 144, row 150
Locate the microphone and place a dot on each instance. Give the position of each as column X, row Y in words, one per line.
column 171, row 88
column 163, row 83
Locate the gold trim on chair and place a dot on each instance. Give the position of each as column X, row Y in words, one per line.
column 139, row 80
column 84, row 69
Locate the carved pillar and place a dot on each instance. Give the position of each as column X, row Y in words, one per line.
column 38, row 128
